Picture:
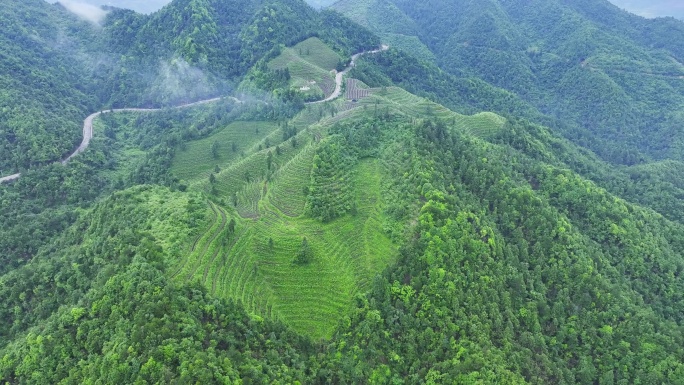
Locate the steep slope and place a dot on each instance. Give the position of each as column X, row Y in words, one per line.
column 83, row 330
column 586, row 85
column 189, row 50
column 280, row 185
column 510, row 279
column 198, row 48
column 512, row 270
column 44, row 84
column 389, row 22
column 379, row 237
column 611, row 77
column 150, row 6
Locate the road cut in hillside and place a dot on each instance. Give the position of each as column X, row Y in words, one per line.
column 339, row 77
column 88, row 129
column 88, row 122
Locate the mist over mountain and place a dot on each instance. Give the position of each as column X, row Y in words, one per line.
column 142, row 6
column 385, row 192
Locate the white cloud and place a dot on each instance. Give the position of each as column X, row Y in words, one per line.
column 85, row 11
column 180, row 81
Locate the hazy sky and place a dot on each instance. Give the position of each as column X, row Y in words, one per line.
column 648, row 8
column 653, row 8
column 144, row 6
column 148, row 6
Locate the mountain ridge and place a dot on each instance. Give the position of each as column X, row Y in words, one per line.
column 494, row 199
column 649, row 9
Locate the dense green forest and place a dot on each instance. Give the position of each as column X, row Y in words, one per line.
column 42, row 97
column 587, row 64
column 58, row 70
column 493, row 200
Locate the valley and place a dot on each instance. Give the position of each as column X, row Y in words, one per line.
column 386, row 192
column 88, row 122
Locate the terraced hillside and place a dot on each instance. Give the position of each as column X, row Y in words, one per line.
column 262, row 189
column 255, row 177
column 205, row 248
column 356, row 89
column 370, row 236
column 395, row 100
column 287, row 193
column 201, row 157
column 259, row 269
column 311, row 64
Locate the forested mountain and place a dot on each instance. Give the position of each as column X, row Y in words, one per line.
column 650, row 8
column 147, row 6
column 593, row 67
column 187, row 51
column 150, row 6
column 493, row 199
column 42, row 94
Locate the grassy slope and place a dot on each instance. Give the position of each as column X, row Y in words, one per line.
column 197, row 160
column 309, row 61
column 270, row 204
column 255, row 263
column 396, row 100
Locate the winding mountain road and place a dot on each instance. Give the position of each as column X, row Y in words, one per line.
column 9, row 178
column 88, row 122
column 88, row 128
column 339, row 77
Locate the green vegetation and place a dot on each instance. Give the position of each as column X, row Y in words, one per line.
column 388, row 22
column 501, row 205
column 308, row 287
column 42, row 109
column 117, row 253
column 309, row 65
column 311, row 50
column 288, row 193
column 396, row 101
column 58, row 68
column 310, row 297
column 304, row 255
column 491, row 227
column 582, row 64
column 198, row 159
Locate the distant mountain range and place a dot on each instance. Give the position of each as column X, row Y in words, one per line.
column 646, row 8
column 149, row 6
column 494, row 197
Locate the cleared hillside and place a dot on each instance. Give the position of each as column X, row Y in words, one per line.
column 427, row 223
column 265, row 186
